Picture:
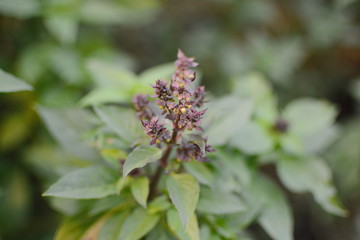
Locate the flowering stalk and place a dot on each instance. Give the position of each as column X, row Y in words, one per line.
column 179, row 104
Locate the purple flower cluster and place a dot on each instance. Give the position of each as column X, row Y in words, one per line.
column 156, row 130
column 180, row 104
column 189, row 150
column 141, row 104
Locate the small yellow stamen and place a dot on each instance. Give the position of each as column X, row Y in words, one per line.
column 183, row 110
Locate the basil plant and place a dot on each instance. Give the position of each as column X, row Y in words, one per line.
column 155, row 157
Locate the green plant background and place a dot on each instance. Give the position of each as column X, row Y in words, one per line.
column 70, row 50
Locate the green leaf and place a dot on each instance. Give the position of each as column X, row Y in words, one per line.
column 214, row 201
column 234, row 164
column 270, row 55
column 206, row 233
column 67, row 63
column 159, row 204
column 239, row 221
column 140, row 157
column 267, row 111
column 103, row 95
column 34, row 61
column 109, row 75
column 343, row 158
column 163, row 71
column 73, row 228
column 138, row 224
column 253, row 86
column 100, row 12
column 159, row 233
column 220, row 227
column 122, row 201
column 69, row 207
column 112, row 156
column 20, row 8
column 140, row 190
column 200, row 171
column 226, row 117
column 62, row 27
column 252, row 139
column 184, row 193
column 291, row 143
column 308, row 116
column 113, row 12
column 275, row 217
column 225, row 179
column 311, row 175
column 175, row 225
column 122, row 121
column 112, row 226
column 322, row 140
column 9, row 83
column 68, row 126
column 85, row 183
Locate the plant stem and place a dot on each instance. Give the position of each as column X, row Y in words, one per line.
column 163, row 160
column 154, row 181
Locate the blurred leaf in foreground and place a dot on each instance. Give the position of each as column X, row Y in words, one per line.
column 9, row 83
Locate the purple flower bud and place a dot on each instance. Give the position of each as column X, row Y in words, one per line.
column 172, row 105
column 156, row 130
column 193, row 118
column 141, row 104
column 199, row 97
column 186, row 151
column 208, row 148
column 190, row 150
column 162, row 92
column 184, row 62
column 183, row 75
column 281, row 125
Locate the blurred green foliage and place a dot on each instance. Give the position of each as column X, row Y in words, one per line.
column 64, row 48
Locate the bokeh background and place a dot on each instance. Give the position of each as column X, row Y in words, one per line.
column 304, row 48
